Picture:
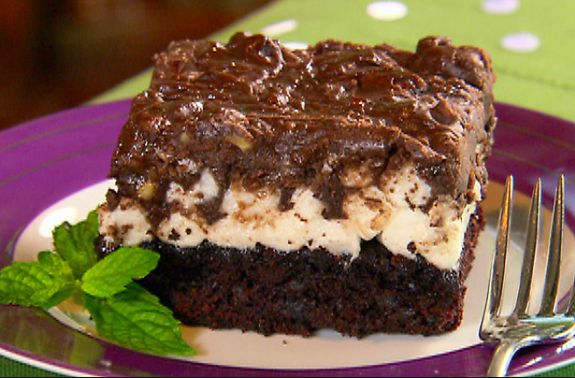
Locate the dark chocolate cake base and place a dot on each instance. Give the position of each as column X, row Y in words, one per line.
column 267, row 291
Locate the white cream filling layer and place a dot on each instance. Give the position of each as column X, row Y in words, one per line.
column 391, row 214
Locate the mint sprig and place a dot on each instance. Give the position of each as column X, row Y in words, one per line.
column 111, row 275
column 38, row 284
column 123, row 311
column 137, row 317
column 75, row 244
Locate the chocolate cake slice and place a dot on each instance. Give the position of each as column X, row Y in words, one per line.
column 292, row 190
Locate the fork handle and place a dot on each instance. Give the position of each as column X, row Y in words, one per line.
column 502, row 358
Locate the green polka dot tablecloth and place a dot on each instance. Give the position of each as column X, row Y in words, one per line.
column 531, row 42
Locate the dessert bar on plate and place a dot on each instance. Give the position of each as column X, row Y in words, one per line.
column 288, row 191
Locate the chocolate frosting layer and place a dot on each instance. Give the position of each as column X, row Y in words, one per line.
column 258, row 113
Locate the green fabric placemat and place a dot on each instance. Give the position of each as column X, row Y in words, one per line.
column 9, row 368
column 542, row 79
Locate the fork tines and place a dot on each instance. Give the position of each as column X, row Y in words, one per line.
column 495, row 290
column 519, row 329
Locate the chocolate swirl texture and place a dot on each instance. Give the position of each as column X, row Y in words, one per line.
column 258, row 113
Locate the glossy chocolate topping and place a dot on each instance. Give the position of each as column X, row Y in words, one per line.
column 255, row 112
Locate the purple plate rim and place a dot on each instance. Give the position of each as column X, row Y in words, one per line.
column 110, row 116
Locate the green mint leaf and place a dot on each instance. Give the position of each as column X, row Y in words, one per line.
column 75, row 243
column 54, row 264
column 41, row 284
column 111, row 274
column 92, row 222
column 135, row 318
column 60, row 270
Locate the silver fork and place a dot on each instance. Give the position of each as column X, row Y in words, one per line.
column 519, row 329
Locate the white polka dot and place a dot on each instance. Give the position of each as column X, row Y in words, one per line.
column 55, row 218
column 500, row 6
column 387, row 10
column 520, row 42
column 281, row 27
column 296, row 45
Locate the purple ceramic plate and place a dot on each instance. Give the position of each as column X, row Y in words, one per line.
column 44, row 161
